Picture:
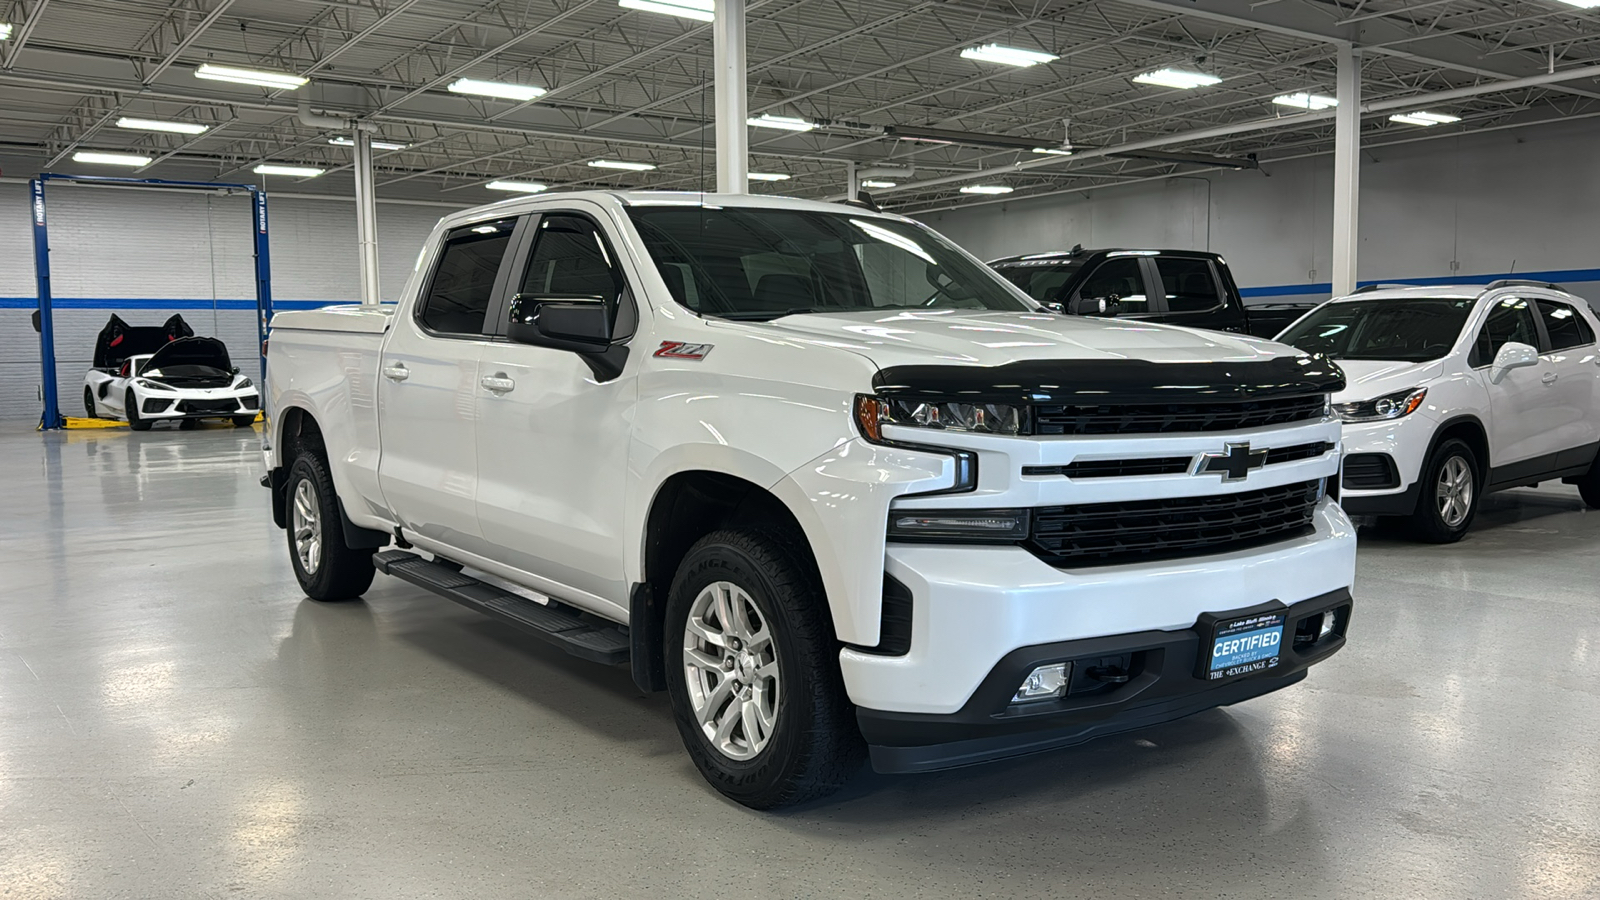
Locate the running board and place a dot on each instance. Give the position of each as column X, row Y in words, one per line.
column 567, row 630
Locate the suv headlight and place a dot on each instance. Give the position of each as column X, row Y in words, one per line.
column 872, row 413
column 1389, row 406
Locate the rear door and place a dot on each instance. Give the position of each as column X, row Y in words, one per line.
column 1523, row 408
column 428, row 389
column 1193, row 294
column 1570, row 351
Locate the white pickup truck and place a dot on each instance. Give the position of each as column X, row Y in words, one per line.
column 823, row 477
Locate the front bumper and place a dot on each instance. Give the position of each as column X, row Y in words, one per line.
column 171, row 407
column 1405, row 441
column 1161, row 686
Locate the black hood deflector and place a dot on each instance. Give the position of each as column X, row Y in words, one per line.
column 191, row 351
column 118, row 340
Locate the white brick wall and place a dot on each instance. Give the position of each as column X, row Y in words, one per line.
column 149, row 246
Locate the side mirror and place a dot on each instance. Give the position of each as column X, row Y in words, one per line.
column 1096, row 306
column 1512, row 355
column 576, row 322
column 1055, row 307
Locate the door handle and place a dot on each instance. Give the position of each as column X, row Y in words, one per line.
column 497, row 383
column 396, row 372
column 1549, row 378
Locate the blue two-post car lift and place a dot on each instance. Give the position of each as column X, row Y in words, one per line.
column 52, row 417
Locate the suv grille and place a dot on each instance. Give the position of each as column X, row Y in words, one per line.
column 1168, row 418
column 1100, row 534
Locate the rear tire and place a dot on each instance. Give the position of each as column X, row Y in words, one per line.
column 759, row 666
column 130, row 409
column 243, row 421
column 1589, row 486
column 1448, row 499
column 326, row 567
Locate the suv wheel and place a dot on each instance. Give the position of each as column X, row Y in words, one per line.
column 1448, row 500
column 325, row 566
column 753, row 673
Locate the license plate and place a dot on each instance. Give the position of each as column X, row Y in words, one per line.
column 1245, row 646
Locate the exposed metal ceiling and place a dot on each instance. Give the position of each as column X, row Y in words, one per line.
column 630, row 85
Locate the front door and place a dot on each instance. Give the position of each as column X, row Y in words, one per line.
column 428, row 388
column 1123, row 278
column 553, row 433
column 1523, row 406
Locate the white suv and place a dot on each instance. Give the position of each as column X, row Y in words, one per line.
column 1459, row 390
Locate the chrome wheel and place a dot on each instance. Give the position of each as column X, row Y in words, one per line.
column 307, row 527
column 731, row 669
column 1453, row 492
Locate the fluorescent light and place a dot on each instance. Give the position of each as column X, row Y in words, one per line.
column 1007, row 56
column 290, row 171
column 521, row 187
column 619, row 164
column 158, row 125
column 688, row 9
column 986, row 189
column 501, row 89
column 1176, row 78
column 766, row 176
column 787, row 123
column 111, row 159
column 1581, row 4
column 376, row 145
column 873, row 183
column 279, row 80
column 1310, row 101
column 1426, row 119
column 1053, row 151
column 5, row 31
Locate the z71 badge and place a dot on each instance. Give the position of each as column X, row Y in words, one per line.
column 681, row 350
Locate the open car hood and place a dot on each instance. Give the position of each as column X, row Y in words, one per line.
column 118, row 340
column 190, row 351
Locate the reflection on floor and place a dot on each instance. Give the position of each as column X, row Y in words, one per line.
column 176, row 721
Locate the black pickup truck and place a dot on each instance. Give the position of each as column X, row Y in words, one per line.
column 1179, row 287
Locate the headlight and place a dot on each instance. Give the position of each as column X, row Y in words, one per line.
column 872, row 413
column 1389, row 406
column 243, row 383
column 150, row 385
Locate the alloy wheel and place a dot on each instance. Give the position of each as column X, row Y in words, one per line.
column 731, row 669
column 1453, row 492
column 307, row 527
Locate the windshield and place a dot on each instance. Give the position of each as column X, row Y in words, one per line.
column 1409, row 330
column 765, row 263
column 1041, row 281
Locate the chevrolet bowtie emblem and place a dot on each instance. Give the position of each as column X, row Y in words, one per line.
column 1234, row 463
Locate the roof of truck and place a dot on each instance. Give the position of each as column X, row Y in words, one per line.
column 533, row 202
column 1079, row 254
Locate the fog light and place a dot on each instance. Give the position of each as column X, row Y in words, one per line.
column 1327, row 625
column 1043, row 683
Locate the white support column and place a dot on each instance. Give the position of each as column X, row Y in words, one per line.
column 852, row 184
column 366, row 219
column 728, row 74
column 1347, row 171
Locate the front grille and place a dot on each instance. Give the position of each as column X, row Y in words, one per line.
column 1099, row 534
column 1165, row 465
column 1297, row 452
column 1170, row 418
column 207, row 407
column 1370, row 471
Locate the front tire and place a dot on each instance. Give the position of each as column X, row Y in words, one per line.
column 1589, row 486
column 243, row 421
column 753, row 673
column 326, row 567
column 88, row 404
column 1448, row 499
column 130, row 409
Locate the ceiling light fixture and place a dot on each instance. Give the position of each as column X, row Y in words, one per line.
column 947, row 136
column 502, row 90
column 687, row 9
column 1424, row 119
column 1176, row 78
column 766, row 176
column 619, row 164
column 5, row 31
column 288, row 171
column 874, row 183
column 376, row 145
column 986, row 189
column 521, row 187
column 1309, row 101
column 159, row 125
column 110, row 159
column 279, row 80
column 1582, row 4
column 1008, row 56
column 786, row 123
column 1053, row 151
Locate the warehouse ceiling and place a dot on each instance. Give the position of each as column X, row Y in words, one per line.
column 630, row 85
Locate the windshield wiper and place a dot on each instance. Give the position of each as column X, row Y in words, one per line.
column 763, row 315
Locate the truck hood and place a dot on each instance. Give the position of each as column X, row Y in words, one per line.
column 986, row 338
column 1370, row 378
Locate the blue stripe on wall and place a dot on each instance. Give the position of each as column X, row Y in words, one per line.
column 157, row 303
column 1558, row 276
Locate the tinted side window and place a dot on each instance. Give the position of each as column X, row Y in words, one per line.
column 1120, row 277
column 569, row 257
column 458, row 297
column 1564, row 325
column 1510, row 320
column 1188, row 284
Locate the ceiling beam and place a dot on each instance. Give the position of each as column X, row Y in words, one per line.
column 20, row 39
column 172, row 56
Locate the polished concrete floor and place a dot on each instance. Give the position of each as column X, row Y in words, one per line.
column 177, row 721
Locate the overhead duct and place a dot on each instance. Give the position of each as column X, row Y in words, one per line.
column 312, row 120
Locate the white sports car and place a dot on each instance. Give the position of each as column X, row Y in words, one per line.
column 148, row 375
